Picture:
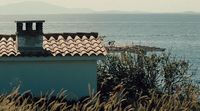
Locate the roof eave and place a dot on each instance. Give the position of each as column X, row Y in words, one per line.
column 52, row 58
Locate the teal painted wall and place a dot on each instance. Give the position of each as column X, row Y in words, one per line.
column 42, row 76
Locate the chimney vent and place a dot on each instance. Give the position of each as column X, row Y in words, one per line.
column 30, row 39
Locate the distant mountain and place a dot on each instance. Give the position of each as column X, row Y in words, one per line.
column 36, row 7
column 120, row 12
column 190, row 12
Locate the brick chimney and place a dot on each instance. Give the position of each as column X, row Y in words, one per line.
column 30, row 36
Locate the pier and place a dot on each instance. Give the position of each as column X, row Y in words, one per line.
column 133, row 49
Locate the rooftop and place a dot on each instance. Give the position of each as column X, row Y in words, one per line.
column 30, row 40
column 57, row 44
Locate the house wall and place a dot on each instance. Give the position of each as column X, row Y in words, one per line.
column 40, row 75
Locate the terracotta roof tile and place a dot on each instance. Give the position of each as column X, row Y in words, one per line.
column 58, row 45
column 8, row 46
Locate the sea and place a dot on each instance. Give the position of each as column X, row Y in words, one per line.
column 178, row 33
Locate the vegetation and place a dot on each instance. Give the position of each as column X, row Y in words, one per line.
column 140, row 75
column 126, row 83
column 156, row 102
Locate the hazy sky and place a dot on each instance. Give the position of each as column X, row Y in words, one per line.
column 125, row 5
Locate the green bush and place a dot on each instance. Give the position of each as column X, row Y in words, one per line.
column 142, row 73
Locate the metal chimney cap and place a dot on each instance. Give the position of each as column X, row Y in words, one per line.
column 30, row 21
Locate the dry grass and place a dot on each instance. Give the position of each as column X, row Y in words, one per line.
column 116, row 102
column 174, row 102
column 21, row 102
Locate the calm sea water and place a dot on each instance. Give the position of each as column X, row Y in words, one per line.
column 179, row 33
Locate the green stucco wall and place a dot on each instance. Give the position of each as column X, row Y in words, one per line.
column 41, row 76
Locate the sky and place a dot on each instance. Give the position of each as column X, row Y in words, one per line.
column 124, row 5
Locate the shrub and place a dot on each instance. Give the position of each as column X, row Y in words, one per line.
column 143, row 73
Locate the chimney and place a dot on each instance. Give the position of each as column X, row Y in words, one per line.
column 30, row 36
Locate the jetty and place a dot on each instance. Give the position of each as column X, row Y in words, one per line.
column 111, row 48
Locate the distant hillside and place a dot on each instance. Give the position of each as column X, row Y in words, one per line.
column 36, row 7
column 31, row 7
column 120, row 12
